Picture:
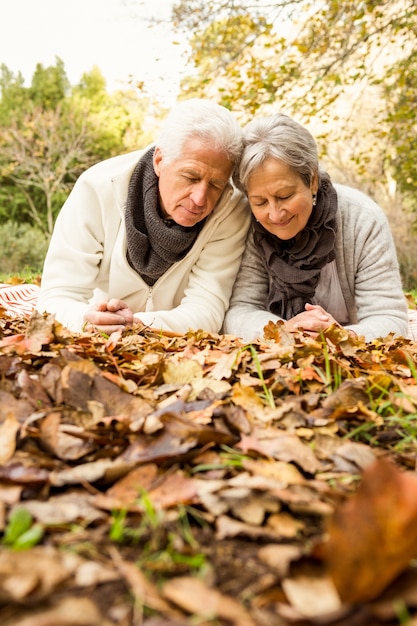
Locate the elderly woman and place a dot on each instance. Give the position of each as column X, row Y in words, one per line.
column 154, row 236
column 317, row 253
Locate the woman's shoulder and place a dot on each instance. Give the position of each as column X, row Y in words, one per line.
column 355, row 204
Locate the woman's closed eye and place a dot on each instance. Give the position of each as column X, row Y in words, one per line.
column 259, row 203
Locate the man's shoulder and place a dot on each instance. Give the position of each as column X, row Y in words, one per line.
column 115, row 166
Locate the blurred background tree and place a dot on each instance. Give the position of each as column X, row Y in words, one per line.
column 50, row 132
column 346, row 70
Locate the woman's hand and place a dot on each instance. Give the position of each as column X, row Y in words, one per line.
column 108, row 316
column 312, row 320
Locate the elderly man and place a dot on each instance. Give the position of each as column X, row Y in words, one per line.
column 154, row 236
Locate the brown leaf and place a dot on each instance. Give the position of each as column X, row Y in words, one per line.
column 128, row 489
column 285, row 525
column 40, row 331
column 350, row 398
column 64, row 508
column 142, row 589
column 281, row 446
column 279, row 556
column 178, row 437
column 8, row 430
column 284, row 473
column 24, row 474
column 21, row 408
column 373, row 535
column 37, row 572
column 60, row 444
column 313, row 596
column 199, row 599
column 175, row 489
column 353, row 456
column 65, row 612
column 102, row 469
column 228, row 527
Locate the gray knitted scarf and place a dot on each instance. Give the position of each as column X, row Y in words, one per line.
column 153, row 243
column 294, row 266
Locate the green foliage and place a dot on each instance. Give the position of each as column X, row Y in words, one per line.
column 310, row 52
column 49, row 85
column 408, row 265
column 346, row 69
column 50, row 132
column 23, row 249
column 40, row 155
column 21, row 532
column 400, row 92
column 268, row 396
column 15, row 98
column 164, row 542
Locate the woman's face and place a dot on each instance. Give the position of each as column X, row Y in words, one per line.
column 279, row 198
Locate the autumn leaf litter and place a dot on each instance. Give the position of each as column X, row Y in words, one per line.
column 168, row 480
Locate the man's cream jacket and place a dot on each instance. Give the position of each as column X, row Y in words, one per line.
column 86, row 260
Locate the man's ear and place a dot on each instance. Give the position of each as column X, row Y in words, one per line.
column 157, row 158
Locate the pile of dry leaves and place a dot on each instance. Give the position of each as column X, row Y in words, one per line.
column 192, row 480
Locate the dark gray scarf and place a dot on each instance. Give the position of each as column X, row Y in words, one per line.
column 294, row 266
column 153, row 243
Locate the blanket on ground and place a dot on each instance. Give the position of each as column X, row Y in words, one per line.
column 20, row 300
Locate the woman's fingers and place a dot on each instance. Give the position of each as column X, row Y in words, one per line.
column 313, row 320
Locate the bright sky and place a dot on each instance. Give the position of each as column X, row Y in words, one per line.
column 112, row 34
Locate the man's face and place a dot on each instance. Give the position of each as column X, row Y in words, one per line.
column 190, row 186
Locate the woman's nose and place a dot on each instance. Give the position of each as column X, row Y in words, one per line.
column 276, row 210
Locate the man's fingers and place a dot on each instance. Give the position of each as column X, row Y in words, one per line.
column 102, row 328
column 116, row 305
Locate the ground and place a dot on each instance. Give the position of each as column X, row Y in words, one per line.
column 164, row 480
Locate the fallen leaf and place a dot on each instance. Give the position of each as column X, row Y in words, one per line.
column 313, row 596
column 199, row 599
column 8, row 431
column 373, row 535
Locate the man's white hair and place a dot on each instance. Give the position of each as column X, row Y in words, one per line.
column 213, row 124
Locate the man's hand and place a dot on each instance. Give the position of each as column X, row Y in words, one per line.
column 108, row 316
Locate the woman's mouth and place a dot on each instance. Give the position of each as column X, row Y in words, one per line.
column 283, row 223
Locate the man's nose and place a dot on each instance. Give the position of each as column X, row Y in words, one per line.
column 199, row 194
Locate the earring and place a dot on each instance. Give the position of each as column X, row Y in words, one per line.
column 314, row 199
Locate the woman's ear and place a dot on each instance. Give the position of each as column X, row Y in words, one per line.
column 315, row 184
column 157, row 158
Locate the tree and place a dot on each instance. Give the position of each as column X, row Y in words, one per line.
column 313, row 61
column 41, row 155
column 50, row 133
column 115, row 120
column 346, row 70
column 50, row 85
column 268, row 50
column 400, row 91
column 15, row 97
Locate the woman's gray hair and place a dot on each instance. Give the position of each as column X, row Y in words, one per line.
column 280, row 137
column 213, row 124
